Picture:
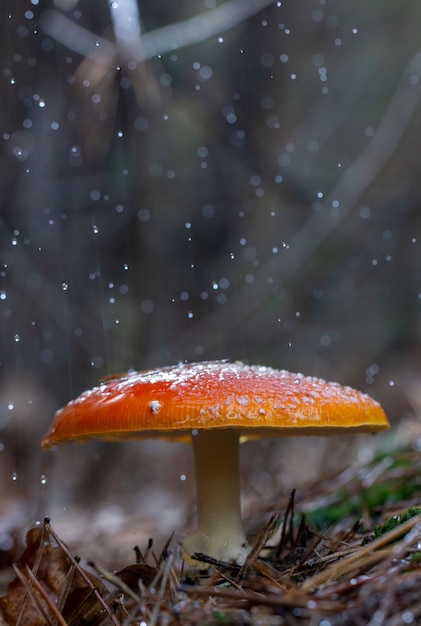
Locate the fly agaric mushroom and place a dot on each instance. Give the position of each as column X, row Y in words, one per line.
column 214, row 404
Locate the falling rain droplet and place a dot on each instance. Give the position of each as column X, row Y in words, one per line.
column 43, row 479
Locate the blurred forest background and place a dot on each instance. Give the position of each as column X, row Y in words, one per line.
column 200, row 180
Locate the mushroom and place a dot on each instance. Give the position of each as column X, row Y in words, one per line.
column 215, row 404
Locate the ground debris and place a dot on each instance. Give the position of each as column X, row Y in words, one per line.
column 354, row 570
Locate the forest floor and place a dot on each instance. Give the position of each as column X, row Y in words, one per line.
column 348, row 553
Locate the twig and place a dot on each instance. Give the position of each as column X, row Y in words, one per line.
column 33, row 582
column 116, row 581
column 371, row 553
column 166, row 570
column 172, row 37
column 81, row 572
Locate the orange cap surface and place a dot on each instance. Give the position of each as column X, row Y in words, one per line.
column 170, row 402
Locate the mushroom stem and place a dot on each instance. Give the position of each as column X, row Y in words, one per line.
column 219, row 533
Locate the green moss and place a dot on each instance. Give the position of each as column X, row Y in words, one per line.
column 395, row 521
column 221, row 618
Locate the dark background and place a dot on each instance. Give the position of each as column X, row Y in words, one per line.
column 252, row 195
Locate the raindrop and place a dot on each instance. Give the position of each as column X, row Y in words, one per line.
column 313, row 145
column 165, row 80
column 64, row 286
column 407, row 617
column 141, row 124
column 95, row 229
column 255, row 180
column 266, row 102
column 16, row 338
column 143, row 215
column 205, row 73
column 14, row 476
column 325, row 341
column 229, row 114
column 147, row 306
column 43, row 479
column 317, row 15
column 267, row 60
column 47, row 355
column 208, row 210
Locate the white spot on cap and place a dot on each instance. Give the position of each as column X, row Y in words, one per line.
column 154, row 406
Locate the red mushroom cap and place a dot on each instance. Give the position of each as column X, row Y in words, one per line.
column 170, row 402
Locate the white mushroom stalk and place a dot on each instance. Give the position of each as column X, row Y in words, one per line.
column 219, row 531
